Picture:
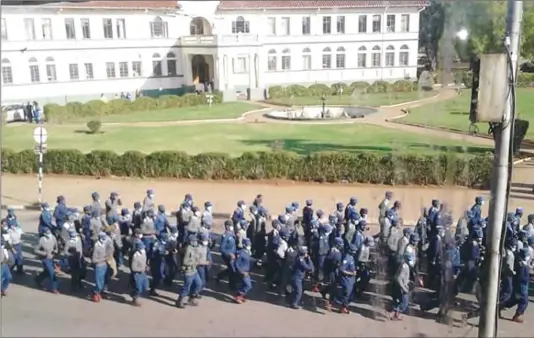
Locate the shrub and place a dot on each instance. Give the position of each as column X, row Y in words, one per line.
column 319, row 89
column 343, row 86
column 94, row 126
column 276, row 92
column 297, row 90
column 403, row 86
column 379, row 87
column 359, row 85
column 318, row 167
column 75, row 110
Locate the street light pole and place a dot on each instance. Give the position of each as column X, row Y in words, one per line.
column 499, row 187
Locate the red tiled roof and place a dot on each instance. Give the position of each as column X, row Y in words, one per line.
column 237, row 5
column 156, row 4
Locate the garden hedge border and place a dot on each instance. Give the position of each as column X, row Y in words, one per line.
column 319, row 167
column 96, row 108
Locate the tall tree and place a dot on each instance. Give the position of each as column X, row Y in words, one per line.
column 431, row 27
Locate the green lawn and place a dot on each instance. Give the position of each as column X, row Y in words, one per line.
column 217, row 111
column 454, row 113
column 360, row 99
column 235, row 138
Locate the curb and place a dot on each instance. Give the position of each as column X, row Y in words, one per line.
column 411, row 102
column 526, row 159
column 404, row 114
column 219, row 215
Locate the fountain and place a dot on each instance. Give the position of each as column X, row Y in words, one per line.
column 318, row 113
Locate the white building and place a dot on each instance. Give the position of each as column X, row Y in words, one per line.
column 62, row 52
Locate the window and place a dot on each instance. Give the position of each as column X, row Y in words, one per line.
column 405, row 23
column 404, row 56
column 34, row 70
column 327, row 25
column 390, row 23
column 240, row 65
column 121, row 29
column 286, row 26
column 30, row 29
column 156, row 65
column 286, row 59
column 306, row 25
column 340, row 57
column 70, row 30
column 123, row 69
column 271, row 26
column 327, row 58
column 340, row 25
column 108, row 28
column 86, row 28
column 136, row 68
column 51, row 69
column 376, row 57
column 271, row 60
column 171, row 64
column 240, row 25
column 306, row 59
column 390, row 56
column 89, row 74
column 110, row 70
column 377, row 24
column 159, row 28
column 46, row 29
column 4, row 30
column 362, row 57
column 7, row 72
column 73, row 71
column 362, row 24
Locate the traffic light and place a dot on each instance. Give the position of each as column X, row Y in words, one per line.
column 475, row 70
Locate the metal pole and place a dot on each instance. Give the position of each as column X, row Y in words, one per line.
column 497, row 207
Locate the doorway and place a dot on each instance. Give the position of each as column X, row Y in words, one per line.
column 201, row 70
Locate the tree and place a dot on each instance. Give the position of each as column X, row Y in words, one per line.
column 431, row 27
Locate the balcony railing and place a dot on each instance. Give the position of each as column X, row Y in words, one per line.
column 225, row 39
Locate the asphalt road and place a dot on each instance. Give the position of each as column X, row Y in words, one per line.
column 30, row 312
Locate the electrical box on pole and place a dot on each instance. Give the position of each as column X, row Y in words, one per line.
column 490, row 89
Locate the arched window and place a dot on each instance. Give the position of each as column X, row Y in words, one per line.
column 286, row 59
column 376, row 57
column 390, row 56
column 340, row 57
column 159, row 28
column 327, row 58
column 35, row 75
column 404, row 56
column 7, row 72
column 306, row 58
column 240, row 25
column 171, row 64
column 362, row 57
column 51, row 69
column 156, row 65
column 271, row 60
column 197, row 26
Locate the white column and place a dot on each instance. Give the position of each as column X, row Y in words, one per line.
column 226, row 70
column 257, row 67
column 251, row 71
column 186, row 69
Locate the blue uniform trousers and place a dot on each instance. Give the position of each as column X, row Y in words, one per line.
column 6, row 277
column 100, row 277
column 192, row 285
column 48, row 273
column 139, row 281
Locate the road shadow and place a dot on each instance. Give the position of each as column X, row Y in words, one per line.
column 522, row 197
column 303, row 147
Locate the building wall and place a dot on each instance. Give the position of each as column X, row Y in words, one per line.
column 227, row 50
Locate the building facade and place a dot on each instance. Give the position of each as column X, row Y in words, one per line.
column 64, row 52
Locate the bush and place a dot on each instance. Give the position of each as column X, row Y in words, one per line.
column 319, row 89
column 75, row 110
column 343, row 86
column 318, row 167
column 402, row 86
column 94, row 126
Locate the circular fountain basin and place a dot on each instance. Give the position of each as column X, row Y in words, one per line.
column 311, row 113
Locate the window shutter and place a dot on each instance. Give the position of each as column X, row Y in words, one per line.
column 151, row 29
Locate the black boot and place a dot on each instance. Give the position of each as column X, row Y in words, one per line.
column 180, row 302
column 192, row 300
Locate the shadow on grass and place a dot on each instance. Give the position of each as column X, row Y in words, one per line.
column 302, row 147
column 459, row 113
column 87, row 132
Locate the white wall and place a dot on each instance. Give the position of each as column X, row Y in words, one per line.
column 140, row 46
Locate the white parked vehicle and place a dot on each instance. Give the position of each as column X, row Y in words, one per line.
column 13, row 113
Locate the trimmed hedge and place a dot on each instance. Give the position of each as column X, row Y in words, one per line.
column 524, row 80
column 276, row 92
column 318, row 167
column 96, row 108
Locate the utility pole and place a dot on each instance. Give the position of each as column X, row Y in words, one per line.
column 497, row 206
